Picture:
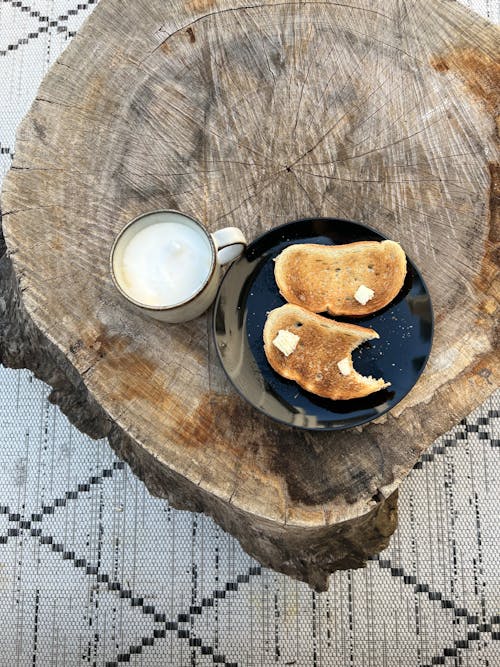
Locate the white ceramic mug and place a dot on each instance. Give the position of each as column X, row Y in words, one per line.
column 194, row 259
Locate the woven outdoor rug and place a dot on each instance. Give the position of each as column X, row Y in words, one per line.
column 93, row 570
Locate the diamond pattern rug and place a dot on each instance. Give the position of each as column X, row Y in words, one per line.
column 94, row 570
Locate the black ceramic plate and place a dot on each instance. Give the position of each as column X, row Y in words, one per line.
column 248, row 291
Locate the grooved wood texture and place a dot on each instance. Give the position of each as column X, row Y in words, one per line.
column 251, row 116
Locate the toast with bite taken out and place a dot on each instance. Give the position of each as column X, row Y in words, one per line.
column 315, row 352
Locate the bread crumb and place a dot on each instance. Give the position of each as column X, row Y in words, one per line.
column 286, row 342
column 364, row 294
column 345, row 366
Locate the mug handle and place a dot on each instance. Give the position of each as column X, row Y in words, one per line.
column 229, row 243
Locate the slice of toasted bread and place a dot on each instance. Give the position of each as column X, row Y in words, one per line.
column 323, row 343
column 325, row 278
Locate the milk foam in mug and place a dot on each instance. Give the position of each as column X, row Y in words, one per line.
column 166, row 264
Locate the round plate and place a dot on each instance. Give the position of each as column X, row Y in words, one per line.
column 249, row 291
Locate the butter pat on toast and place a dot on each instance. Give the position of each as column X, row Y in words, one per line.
column 322, row 344
column 324, row 278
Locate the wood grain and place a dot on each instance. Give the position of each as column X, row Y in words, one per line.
column 251, row 116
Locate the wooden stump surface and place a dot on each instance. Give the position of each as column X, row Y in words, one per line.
column 383, row 112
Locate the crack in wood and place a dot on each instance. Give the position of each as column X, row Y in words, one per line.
column 267, row 183
column 264, row 5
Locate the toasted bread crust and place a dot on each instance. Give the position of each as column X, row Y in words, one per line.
column 325, row 278
column 323, row 343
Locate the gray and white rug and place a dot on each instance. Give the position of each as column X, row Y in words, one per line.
column 93, row 570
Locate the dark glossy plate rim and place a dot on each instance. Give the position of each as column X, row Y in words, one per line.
column 333, row 427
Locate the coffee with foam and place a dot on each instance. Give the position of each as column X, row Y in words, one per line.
column 168, row 266
column 164, row 263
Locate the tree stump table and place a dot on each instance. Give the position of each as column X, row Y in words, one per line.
column 253, row 115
